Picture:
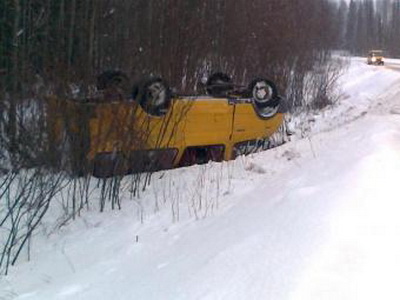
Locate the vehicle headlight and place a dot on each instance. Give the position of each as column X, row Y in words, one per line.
column 374, row 59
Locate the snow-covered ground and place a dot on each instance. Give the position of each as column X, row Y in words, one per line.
column 317, row 218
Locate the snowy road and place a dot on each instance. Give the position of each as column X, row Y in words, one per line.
column 393, row 66
column 315, row 219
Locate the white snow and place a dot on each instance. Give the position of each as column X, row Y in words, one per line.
column 316, row 218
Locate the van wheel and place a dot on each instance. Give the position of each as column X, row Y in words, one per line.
column 113, row 84
column 218, row 85
column 154, row 96
column 265, row 97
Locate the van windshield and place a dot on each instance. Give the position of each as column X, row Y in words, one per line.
column 375, row 53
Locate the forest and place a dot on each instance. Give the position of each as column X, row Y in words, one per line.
column 53, row 44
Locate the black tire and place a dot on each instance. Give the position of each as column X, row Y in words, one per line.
column 154, row 96
column 113, row 82
column 135, row 91
column 264, row 94
column 218, row 85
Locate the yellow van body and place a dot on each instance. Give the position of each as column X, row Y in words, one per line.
column 99, row 131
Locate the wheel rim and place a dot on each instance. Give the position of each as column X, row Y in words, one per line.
column 262, row 92
column 156, row 93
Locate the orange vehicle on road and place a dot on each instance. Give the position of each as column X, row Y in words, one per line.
column 375, row 57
